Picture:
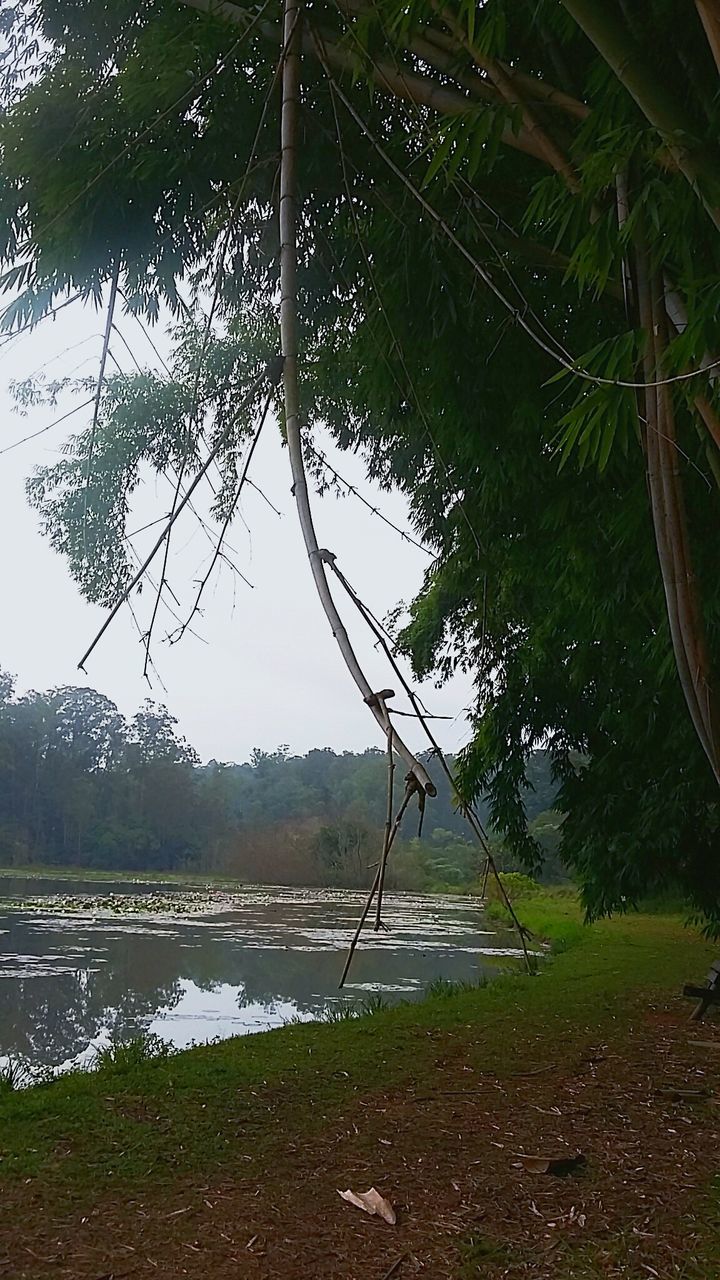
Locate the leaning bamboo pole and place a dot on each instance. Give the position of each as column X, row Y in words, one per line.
column 318, row 557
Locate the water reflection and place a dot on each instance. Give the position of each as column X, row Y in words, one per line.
column 70, row 981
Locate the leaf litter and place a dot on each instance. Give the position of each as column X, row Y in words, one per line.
column 371, row 1202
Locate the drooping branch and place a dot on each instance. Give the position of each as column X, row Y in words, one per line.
column 289, row 339
column 272, row 372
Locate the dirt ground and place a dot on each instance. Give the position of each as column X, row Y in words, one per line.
column 447, row 1159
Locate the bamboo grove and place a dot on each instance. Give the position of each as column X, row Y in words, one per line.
column 508, row 293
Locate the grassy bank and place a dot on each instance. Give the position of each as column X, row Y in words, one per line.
column 246, row 1107
column 602, row 975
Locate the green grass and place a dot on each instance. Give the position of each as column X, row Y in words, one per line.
column 129, row 1054
column 148, row 1121
column 162, row 1117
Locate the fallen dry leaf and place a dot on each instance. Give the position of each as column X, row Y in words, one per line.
column 372, row 1202
column 560, row 1166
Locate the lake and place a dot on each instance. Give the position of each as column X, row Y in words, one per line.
column 83, row 963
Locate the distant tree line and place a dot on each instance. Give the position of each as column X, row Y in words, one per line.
column 80, row 785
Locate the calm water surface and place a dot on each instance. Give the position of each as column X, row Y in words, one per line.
column 72, row 980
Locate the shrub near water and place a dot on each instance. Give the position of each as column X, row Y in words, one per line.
column 128, row 1054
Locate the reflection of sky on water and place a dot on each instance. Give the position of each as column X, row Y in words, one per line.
column 70, row 981
column 201, row 1015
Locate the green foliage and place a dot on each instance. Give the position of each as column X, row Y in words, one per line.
column 128, row 1055
column 13, row 1075
column 375, row 1003
column 80, row 786
column 515, row 884
column 444, row 989
column 439, row 367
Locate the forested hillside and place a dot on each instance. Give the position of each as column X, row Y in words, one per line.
column 80, row 785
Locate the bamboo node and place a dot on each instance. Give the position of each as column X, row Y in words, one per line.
column 327, row 557
column 274, row 369
column 377, row 699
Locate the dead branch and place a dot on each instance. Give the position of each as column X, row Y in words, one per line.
column 218, row 552
column 466, row 809
column 356, row 494
column 271, row 371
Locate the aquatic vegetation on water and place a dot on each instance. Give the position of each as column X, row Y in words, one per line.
column 183, row 902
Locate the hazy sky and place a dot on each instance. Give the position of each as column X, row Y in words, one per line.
column 269, row 671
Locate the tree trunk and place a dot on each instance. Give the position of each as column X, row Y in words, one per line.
column 670, row 523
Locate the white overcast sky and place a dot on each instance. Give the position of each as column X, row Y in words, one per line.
column 269, row 671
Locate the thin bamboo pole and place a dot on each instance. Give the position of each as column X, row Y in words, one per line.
column 318, row 557
column 467, row 811
column 410, row 791
column 388, row 825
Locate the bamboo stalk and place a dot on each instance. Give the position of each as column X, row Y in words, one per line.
column 653, row 96
column 689, row 606
column 508, row 88
column 690, row 615
column 684, row 618
column 709, row 13
column 467, row 811
column 388, row 826
column 677, row 315
column 533, row 85
column 317, row 556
